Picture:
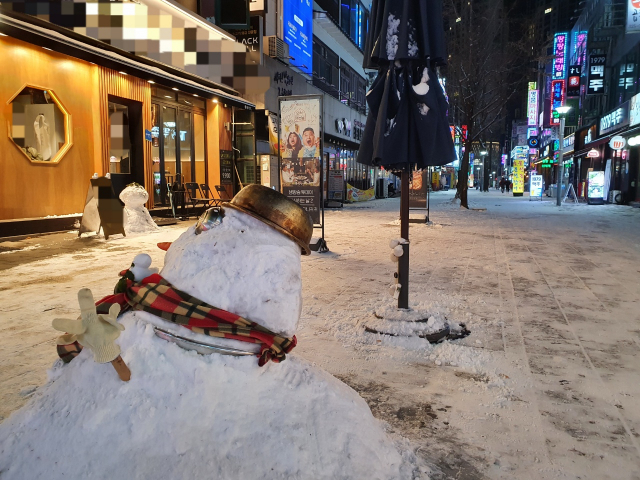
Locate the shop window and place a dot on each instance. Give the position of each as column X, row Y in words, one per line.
column 119, row 139
column 40, row 125
column 326, row 68
column 332, row 7
column 163, row 93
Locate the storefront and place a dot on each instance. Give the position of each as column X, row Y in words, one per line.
column 77, row 106
column 587, row 156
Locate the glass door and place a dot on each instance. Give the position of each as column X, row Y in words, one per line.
column 185, row 128
column 177, row 148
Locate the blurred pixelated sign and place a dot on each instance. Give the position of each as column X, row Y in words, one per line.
column 251, row 38
column 102, row 209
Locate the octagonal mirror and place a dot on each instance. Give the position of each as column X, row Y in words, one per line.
column 39, row 125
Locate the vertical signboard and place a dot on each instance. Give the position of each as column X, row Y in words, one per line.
column 557, row 99
column 633, row 16
column 297, row 21
column 573, row 82
column 634, row 110
column 301, row 151
column 580, row 47
column 418, row 189
column 595, row 77
column 251, row 38
column 560, row 53
column 532, row 108
column 535, row 189
column 518, row 178
column 336, row 185
column 226, row 167
column 595, row 188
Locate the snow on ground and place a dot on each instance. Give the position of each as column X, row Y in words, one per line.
column 546, row 386
column 185, row 415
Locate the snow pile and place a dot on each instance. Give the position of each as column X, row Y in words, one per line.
column 185, row 415
column 137, row 217
column 241, row 265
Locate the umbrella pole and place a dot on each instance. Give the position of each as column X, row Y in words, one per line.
column 403, row 261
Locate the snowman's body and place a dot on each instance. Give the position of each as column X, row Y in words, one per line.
column 186, row 415
column 137, row 218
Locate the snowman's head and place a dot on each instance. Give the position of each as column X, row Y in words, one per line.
column 238, row 260
column 134, row 195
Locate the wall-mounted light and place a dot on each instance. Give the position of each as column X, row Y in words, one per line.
column 174, row 88
column 123, row 73
column 215, row 100
column 195, row 95
column 151, row 81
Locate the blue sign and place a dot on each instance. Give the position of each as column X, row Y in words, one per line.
column 147, row 135
column 297, row 16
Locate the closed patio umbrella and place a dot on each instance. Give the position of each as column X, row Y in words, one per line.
column 407, row 125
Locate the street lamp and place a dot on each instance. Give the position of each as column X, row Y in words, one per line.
column 562, row 112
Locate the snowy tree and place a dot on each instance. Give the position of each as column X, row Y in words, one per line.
column 485, row 70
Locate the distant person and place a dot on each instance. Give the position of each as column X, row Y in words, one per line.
column 508, row 185
column 502, row 184
column 391, row 190
column 178, row 192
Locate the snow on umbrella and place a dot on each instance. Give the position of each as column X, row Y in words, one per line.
column 407, row 125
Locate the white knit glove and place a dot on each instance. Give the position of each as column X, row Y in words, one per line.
column 98, row 332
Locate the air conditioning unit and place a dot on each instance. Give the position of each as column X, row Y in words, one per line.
column 275, row 47
column 615, row 196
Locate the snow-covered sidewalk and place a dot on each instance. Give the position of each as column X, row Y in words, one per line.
column 546, row 386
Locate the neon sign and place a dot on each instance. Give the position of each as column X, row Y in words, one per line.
column 532, row 111
column 560, row 52
column 580, row 47
column 557, row 98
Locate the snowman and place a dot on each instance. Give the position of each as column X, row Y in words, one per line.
column 137, row 218
column 214, row 391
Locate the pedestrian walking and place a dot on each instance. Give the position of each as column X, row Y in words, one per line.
column 502, row 184
column 508, row 185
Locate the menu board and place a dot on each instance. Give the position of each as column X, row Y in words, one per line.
column 518, row 178
column 536, row 186
column 596, row 185
column 226, row 167
column 336, row 185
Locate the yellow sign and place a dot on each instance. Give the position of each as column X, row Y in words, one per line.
column 518, row 177
column 356, row 195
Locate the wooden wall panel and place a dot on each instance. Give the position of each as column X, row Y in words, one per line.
column 218, row 138
column 34, row 190
column 132, row 88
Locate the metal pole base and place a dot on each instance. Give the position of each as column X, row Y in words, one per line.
column 403, row 277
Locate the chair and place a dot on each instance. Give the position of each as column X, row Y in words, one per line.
column 192, row 190
column 208, row 194
column 222, row 193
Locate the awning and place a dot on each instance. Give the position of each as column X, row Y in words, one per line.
column 68, row 42
column 595, row 143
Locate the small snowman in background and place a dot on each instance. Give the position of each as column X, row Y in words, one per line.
column 137, row 217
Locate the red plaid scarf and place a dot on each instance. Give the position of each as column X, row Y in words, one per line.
column 157, row 296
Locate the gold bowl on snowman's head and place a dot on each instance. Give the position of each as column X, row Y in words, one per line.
column 277, row 211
